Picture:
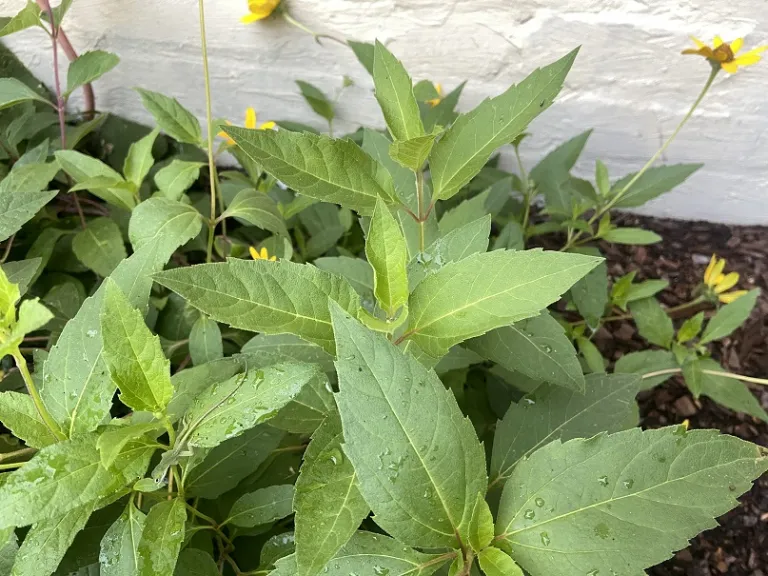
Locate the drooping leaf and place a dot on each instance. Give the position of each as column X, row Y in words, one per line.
column 631, row 236
column 139, row 159
column 262, row 506
column 23, row 194
column 552, row 175
column 645, row 362
column 162, row 538
column 172, row 118
column 413, row 153
column 729, row 392
column 364, row 52
column 386, row 252
column 257, row 209
column 486, row 291
column 120, row 546
column 88, row 67
column 173, row 180
column 316, row 99
column 730, row 317
column 469, row 142
column 421, row 491
column 328, row 504
column 536, row 347
column 653, row 323
column 336, row 171
column 663, row 487
column 494, row 562
column 228, row 409
column 205, row 342
column 553, row 413
column 595, row 363
column 163, row 221
column 654, row 182
column 97, row 177
column 19, row 414
column 25, row 18
column 100, row 246
column 261, row 296
column 394, row 92
column 13, row 91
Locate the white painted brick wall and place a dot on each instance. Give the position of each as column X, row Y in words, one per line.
column 629, row 83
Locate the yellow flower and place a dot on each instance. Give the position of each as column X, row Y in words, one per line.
column 719, row 283
column 435, row 101
column 263, row 255
column 250, row 122
column 723, row 54
column 259, row 9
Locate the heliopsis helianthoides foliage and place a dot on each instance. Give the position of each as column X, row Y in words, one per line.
column 250, row 123
column 259, row 9
column 718, row 283
column 725, row 55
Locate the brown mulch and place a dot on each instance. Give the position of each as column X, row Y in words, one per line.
column 739, row 546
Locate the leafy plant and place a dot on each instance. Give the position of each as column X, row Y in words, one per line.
column 194, row 411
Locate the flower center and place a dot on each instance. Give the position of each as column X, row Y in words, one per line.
column 723, row 53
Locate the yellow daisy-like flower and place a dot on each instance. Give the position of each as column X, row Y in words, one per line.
column 435, row 101
column 719, row 283
column 250, row 123
column 261, row 255
column 259, row 9
column 724, row 55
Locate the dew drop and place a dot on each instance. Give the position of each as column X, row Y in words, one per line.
column 603, row 480
column 629, row 483
column 540, row 502
column 352, row 357
column 91, row 333
column 380, row 570
column 545, row 538
column 529, row 514
column 593, row 572
column 548, row 349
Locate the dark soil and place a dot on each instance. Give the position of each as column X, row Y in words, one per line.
column 739, row 546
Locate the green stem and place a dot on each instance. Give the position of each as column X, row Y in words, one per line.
column 18, row 454
column 731, row 375
column 420, row 197
column 41, row 409
column 293, row 22
column 209, row 120
column 11, row 466
column 653, row 159
column 169, row 428
column 526, row 189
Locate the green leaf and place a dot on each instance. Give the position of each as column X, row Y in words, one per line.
column 60, row 478
column 364, row 52
column 590, row 295
column 690, row 328
column 592, row 357
column 553, row 174
column 228, row 409
column 494, row 562
column 48, row 540
column 631, row 236
column 162, row 538
column 76, row 386
column 414, row 152
column 163, row 221
column 120, row 547
column 386, row 251
column 553, row 413
column 336, row 171
column 645, row 362
column 537, row 347
column 729, row 392
column 394, row 92
column 263, row 506
column 663, row 487
column 328, row 504
column 421, row 491
column 172, row 118
column 261, row 296
column 116, row 439
column 443, row 114
column 139, row 160
column 19, row 414
column 357, row 271
column 693, row 375
column 730, row 317
column 326, row 223
column 134, row 355
column 481, row 528
column 316, row 99
column 173, row 180
column 257, row 209
column 27, row 17
column 22, row 272
column 492, row 199
column 9, row 547
column 13, row 91
column 22, row 195
column 88, row 67
column 377, row 146
column 470, row 141
column 93, row 175
column 100, row 246
column 308, row 410
column 288, row 346
column 486, row 291
column 654, row 182
column 652, row 321
column 205, row 342
column 230, row 462
column 602, row 179
column 194, row 562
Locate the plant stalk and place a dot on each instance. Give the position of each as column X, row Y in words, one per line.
column 33, row 392
column 731, row 375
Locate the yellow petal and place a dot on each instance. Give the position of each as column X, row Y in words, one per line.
column 254, row 253
column 439, row 89
column 731, row 296
column 717, row 270
column 250, row 118
column 698, row 42
column 737, row 44
column 718, row 42
column 267, row 125
column 434, row 102
column 710, row 267
column 726, row 282
column 754, row 51
column 222, row 134
column 273, row 259
column 253, row 17
column 730, row 67
column 747, row 60
column 264, row 254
